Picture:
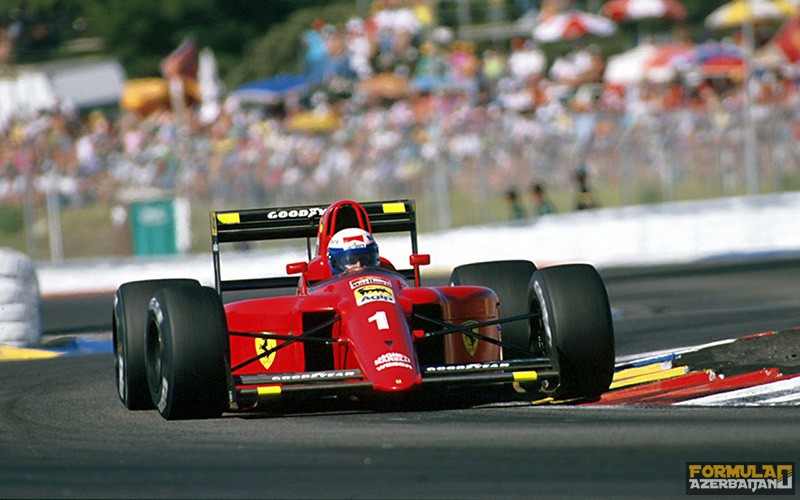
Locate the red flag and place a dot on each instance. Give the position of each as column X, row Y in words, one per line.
column 182, row 61
column 788, row 39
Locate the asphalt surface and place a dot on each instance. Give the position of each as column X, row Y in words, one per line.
column 65, row 433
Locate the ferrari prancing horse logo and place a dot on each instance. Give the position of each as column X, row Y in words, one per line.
column 470, row 343
column 263, row 345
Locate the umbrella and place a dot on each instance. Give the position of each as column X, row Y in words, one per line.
column 714, row 59
column 571, row 26
column 274, row 89
column 666, row 61
column 787, row 40
column 648, row 62
column 740, row 12
column 637, row 10
column 628, row 67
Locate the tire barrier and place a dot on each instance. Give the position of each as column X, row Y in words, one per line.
column 20, row 301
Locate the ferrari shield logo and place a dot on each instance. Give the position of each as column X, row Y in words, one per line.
column 470, row 343
column 264, row 345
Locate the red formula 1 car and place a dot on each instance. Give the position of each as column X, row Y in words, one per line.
column 370, row 332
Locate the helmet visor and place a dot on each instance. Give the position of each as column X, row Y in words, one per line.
column 354, row 257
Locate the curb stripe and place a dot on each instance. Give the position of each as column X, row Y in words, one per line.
column 662, row 374
column 785, row 390
column 8, row 353
column 720, row 384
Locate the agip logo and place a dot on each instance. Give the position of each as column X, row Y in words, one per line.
column 740, row 478
column 373, row 293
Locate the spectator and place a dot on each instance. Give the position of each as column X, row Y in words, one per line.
column 584, row 199
column 541, row 204
column 316, row 55
column 517, row 212
column 359, row 48
column 526, row 61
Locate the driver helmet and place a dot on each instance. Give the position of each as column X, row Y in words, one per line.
column 352, row 248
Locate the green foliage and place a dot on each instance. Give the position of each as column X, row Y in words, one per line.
column 11, row 219
column 142, row 32
column 280, row 50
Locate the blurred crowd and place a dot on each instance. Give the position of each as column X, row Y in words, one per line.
column 416, row 112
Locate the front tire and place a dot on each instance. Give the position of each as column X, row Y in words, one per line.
column 576, row 328
column 186, row 353
column 509, row 279
column 128, row 332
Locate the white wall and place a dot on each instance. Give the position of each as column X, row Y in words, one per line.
column 641, row 235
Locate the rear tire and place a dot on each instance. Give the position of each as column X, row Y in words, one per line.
column 576, row 328
column 128, row 332
column 510, row 280
column 186, row 353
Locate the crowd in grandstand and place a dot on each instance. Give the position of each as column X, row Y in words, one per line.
column 497, row 118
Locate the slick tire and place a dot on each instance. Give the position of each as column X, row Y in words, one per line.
column 128, row 333
column 186, row 346
column 509, row 279
column 576, row 328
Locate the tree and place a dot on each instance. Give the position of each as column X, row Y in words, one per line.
column 280, row 50
column 142, row 32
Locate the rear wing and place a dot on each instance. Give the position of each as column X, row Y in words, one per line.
column 262, row 224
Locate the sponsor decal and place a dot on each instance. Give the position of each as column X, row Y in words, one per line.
column 354, row 239
column 293, row 213
column 740, row 478
column 326, row 375
column 373, row 293
column 264, row 345
column 369, row 280
column 470, row 343
column 392, row 360
column 497, row 365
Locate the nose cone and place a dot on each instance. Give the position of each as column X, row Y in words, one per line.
column 394, row 372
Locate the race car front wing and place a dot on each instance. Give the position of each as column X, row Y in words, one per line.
column 254, row 391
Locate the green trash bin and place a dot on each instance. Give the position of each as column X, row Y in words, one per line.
column 153, row 227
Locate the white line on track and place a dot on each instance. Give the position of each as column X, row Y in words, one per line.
column 775, row 393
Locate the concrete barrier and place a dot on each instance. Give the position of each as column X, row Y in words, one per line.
column 668, row 233
column 20, row 301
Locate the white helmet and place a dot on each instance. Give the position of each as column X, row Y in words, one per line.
column 352, row 247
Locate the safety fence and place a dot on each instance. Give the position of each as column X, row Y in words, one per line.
column 456, row 159
column 461, row 164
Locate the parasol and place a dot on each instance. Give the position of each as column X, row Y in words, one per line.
column 571, row 26
column 638, row 10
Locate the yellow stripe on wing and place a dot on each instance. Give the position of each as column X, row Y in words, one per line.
column 230, row 218
column 394, row 208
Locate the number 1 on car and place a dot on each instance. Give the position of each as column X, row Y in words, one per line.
column 380, row 320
